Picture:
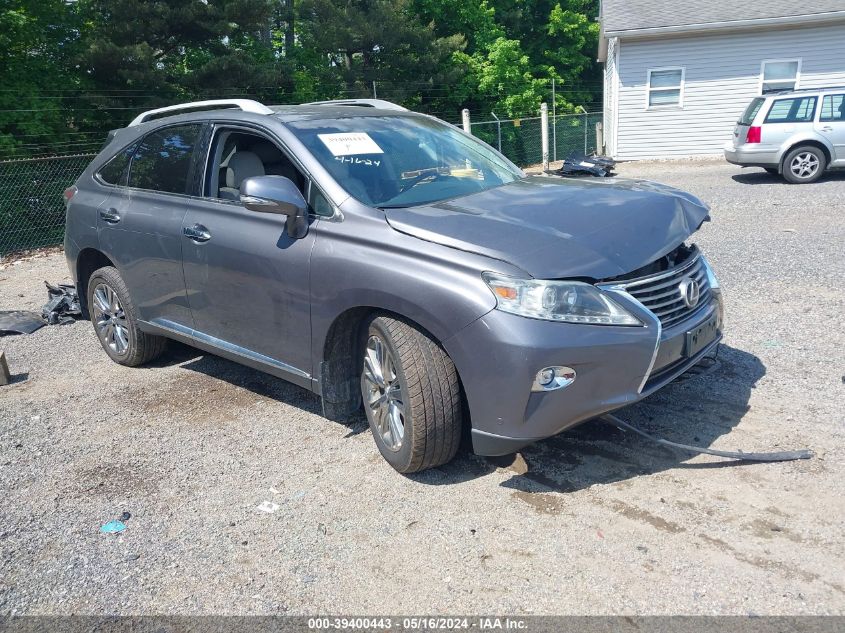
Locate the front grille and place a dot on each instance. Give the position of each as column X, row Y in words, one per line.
column 662, row 293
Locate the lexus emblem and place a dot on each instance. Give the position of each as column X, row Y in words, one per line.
column 690, row 292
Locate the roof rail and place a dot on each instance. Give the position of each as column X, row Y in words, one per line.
column 364, row 103
column 820, row 89
column 246, row 105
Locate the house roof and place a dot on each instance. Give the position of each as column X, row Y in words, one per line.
column 653, row 16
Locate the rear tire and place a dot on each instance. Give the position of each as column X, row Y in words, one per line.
column 804, row 165
column 115, row 321
column 412, row 396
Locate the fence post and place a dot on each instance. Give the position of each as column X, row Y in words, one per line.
column 544, row 133
column 465, row 117
column 585, row 133
column 498, row 130
column 554, row 122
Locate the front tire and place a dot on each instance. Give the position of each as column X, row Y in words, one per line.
column 804, row 165
column 411, row 396
column 115, row 321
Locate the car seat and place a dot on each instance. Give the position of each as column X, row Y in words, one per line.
column 241, row 165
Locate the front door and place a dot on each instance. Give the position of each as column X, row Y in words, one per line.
column 831, row 124
column 247, row 280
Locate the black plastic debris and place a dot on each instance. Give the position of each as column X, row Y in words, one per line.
column 583, row 165
column 62, row 304
column 20, row 322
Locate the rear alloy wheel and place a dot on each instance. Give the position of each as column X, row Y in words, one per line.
column 110, row 320
column 115, row 322
column 804, row 165
column 411, row 396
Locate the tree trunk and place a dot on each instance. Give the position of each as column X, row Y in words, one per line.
column 290, row 19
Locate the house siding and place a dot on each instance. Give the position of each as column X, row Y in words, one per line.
column 611, row 80
column 721, row 76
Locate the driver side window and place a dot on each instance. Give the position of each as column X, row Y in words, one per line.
column 237, row 155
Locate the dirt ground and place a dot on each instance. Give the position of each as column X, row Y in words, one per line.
column 594, row 521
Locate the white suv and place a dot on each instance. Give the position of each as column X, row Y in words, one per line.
column 798, row 134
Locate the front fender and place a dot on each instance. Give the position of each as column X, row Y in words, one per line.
column 361, row 262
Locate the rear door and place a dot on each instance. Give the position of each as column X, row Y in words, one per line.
column 140, row 224
column 831, row 125
column 786, row 117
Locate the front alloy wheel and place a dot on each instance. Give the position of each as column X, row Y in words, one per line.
column 411, row 395
column 383, row 392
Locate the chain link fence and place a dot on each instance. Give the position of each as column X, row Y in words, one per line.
column 518, row 139
column 32, row 209
column 521, row 139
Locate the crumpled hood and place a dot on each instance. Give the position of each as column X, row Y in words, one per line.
column 557, row 227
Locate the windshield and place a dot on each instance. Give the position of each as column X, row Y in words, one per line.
column 751, row 111
column 403, row 161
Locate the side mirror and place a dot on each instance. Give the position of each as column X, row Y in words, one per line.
column 277, row 194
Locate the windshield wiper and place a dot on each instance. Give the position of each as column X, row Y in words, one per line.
column 426, row 175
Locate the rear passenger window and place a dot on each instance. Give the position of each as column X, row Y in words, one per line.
column 115, row 171
column 833, row 108
column 797, row 110
column 163, row 159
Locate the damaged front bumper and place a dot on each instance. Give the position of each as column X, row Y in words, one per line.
column 499, row 355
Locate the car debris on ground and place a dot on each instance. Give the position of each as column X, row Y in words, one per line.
column 20, row 322
column 583, row 165
column 62, row 304
column 62, row 307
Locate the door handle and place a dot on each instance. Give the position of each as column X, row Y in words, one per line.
column 197, row 233
column 827, row 128
column 110, row 215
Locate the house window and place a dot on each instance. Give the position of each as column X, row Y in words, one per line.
column 779, row 74
column 665, row 88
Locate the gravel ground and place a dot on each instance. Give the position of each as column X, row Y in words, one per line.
column 594, row 521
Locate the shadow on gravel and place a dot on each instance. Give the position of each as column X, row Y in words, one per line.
column 256, row 382
column 765, row 178
column 697, row 410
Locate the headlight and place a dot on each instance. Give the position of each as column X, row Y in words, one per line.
column 569, row 301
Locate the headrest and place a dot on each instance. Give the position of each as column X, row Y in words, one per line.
column 243, row 165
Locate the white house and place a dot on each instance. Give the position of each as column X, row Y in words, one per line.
column 678, row 74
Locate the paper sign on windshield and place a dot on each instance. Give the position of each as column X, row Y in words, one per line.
column 350, row 143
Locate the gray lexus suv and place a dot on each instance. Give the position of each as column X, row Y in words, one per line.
column 385, row 259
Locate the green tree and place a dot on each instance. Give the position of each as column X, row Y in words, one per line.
column 560, row 38
column 362, row 41
column 173, row 46
column 37, row 39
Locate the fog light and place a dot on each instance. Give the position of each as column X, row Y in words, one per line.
column 551, row 378
column 546, row 376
